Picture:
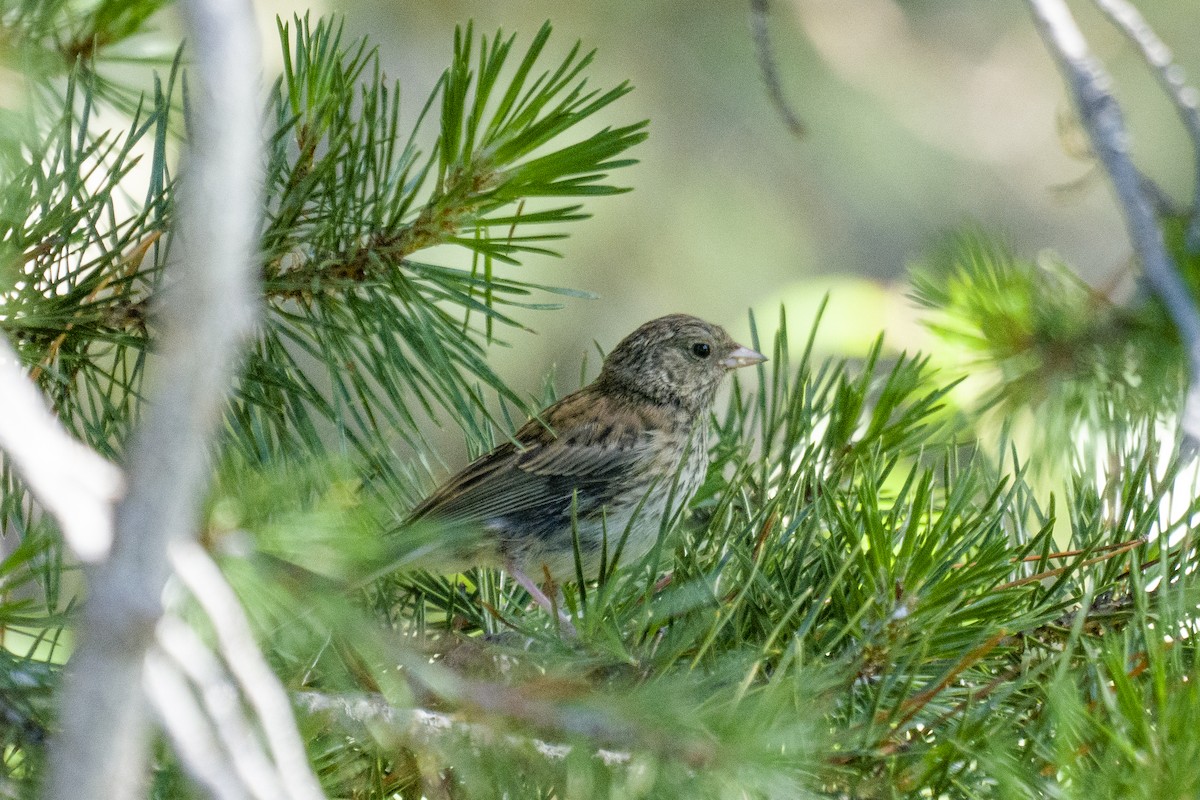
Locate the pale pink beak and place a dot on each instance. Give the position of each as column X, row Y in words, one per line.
column 742, row 357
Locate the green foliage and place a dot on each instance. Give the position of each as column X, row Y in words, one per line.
column 347, row 207
column 856, row 604
column 390, row 340
column 1037, row 337
column 32, row 654
column 351, row 198
column 393, row 337
column 85, row 262
column 1175, row 236
column 48, row 40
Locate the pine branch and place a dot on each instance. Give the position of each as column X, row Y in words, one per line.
column 856, row 603
column 89, row 262
column 70, row 480
column 1031, row 336
column 341, row 278
column 858, row 550
column 57, row 37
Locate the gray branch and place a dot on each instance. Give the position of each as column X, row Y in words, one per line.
column 1185, row 98
column 760, row 12
column 207, row 310
column 1101, row 117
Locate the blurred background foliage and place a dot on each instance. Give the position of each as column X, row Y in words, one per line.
column 922, row 117
column 869, row 597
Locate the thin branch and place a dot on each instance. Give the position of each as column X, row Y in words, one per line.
column 430, row 726
column 188, row 728
column 222, row 703
column 70, row 480
column 1185, row 98
column 204, row 580
column 760, row 12
column 206, row 311
column 1101, row 117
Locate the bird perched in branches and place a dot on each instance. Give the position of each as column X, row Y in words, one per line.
column 604, row 464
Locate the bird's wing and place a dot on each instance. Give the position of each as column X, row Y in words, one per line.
column 593, row 454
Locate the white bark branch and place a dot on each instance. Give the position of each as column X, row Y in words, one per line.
column 207, row 309
column 222, row 703
column 188, row 728
column 429, row 726
column 69, row 479
column 1185, row 98
column 1101, row 117
column 204, row 580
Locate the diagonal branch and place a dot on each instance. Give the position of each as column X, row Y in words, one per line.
column 189, row 728
column 266, row 695
column 242, row 754
column 1101, row 117
column 70, row 480
column 1185, row 98
column 759, row 13
column 207, row 310
column 429, row 726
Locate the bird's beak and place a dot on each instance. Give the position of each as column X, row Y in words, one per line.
column 742, row 357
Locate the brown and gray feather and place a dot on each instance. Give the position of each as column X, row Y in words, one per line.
column 601, row 462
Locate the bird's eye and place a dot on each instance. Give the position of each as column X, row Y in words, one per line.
column 701, row 349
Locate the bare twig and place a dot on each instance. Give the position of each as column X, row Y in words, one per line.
column 760, row 12
column 207, row 312
column 429, row 726
column 68, row 478
column 188, row 728
column 204, row 580
column 1185, row 98
column 222, row 703
column 1101, row 117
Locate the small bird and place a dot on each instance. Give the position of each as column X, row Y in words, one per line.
column 605, row 463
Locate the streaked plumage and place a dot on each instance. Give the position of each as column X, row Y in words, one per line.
column 613, row 446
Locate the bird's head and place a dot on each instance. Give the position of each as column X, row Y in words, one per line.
column 676, row 359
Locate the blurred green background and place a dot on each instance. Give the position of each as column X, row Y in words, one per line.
column 923, row 116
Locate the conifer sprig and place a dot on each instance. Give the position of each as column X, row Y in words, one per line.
column 872, row 599
column 856, row 604
column 352, row 199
